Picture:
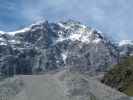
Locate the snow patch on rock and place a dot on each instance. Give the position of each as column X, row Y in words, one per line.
column 125, row 42
column 82, row 34
column 64, row 56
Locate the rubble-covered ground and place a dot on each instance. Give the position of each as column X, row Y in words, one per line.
column 61, row 85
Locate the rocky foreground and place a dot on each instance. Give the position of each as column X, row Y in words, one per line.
column 62, row 85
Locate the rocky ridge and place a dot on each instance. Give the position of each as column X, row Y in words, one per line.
column 45, row 46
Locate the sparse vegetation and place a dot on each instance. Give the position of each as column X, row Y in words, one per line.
column 121, row 76
column 92, row 97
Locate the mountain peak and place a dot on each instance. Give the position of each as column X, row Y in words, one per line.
column 39, row 22
column 56, row 45
column 80, row 32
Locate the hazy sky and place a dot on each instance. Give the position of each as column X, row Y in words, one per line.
column 114, row 17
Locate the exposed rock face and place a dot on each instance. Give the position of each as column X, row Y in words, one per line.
column 48, row 46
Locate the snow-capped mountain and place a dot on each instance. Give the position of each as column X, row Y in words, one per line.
column 125, row 42
column 126, row 48
column 47, row 46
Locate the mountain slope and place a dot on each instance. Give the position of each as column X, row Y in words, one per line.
column 48, row 46
column 121, row 76
column 126, row 48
